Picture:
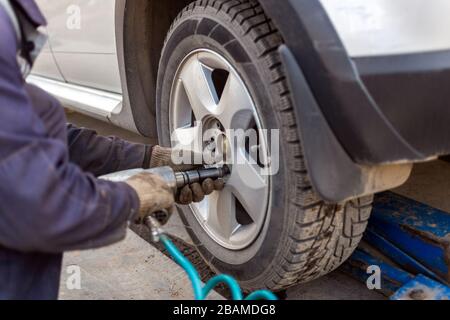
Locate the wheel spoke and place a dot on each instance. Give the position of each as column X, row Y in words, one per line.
column 249, row 185
column 236, row 108
column 222, row 213
column 197, row 81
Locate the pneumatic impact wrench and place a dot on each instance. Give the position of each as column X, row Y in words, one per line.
column 176, row 181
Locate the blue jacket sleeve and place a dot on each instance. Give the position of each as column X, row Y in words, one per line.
column 48, row 204
column 103, row 155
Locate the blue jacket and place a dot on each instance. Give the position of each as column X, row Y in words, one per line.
column 50, row 200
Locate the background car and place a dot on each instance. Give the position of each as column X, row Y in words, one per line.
column 356, row 87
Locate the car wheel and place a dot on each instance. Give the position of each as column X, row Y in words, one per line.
column 220, row 65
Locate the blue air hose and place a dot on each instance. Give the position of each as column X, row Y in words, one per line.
column 201, row 293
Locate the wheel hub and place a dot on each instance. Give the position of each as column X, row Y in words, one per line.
column 216, row 144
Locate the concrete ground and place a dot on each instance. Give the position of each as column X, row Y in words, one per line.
column 134, row 269
column 130, row 270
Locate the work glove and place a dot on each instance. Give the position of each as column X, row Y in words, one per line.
column 154, row 194
column 162, row 157
column 197, row 192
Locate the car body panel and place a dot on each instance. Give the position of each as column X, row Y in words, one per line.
column 359, row 118
column 97, row 71
column 83, row 41
column 45, row 64
column 83, row 26
column 386, row 27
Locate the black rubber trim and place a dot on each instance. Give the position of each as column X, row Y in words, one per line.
column 412, row 91
column 354, row 117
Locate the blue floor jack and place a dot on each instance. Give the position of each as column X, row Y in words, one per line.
column 410, row 243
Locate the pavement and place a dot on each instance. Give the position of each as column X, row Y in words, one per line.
column 135, row 270
column 130, row 270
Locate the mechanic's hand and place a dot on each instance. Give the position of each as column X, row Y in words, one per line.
column 196, row 192
column 154, row 194
column 162, row 157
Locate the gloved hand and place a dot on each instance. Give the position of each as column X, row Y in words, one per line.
column 162, row 157
column 196, row 192
column 154, row 194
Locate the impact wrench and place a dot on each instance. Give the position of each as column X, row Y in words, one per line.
column 176, row 181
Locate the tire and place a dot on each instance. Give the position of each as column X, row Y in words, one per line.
column 303, row 237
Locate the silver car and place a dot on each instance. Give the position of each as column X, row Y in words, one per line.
column 356, row 88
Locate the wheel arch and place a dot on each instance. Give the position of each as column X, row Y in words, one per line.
column 141, row 28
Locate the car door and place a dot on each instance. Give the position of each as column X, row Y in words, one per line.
column 82, row 38
column 45, row 65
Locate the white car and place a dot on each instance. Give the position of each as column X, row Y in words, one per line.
column 357, row 88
